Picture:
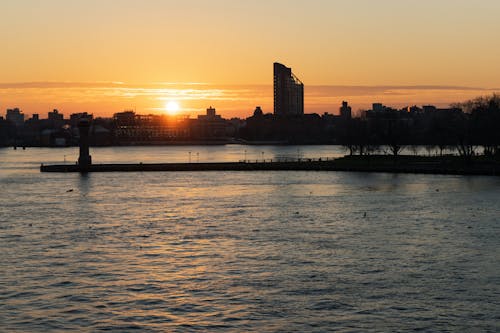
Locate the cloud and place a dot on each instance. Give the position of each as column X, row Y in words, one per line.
column 338, row 90
column 56, row 84
column 104, row 98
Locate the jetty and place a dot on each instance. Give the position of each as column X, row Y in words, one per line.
column 450, row 165
column 217, row 166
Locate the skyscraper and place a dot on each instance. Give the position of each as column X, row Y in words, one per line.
column 288, row 92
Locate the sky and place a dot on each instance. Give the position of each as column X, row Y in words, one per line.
column 105, row 56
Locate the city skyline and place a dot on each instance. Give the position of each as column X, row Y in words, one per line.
column 73, row 56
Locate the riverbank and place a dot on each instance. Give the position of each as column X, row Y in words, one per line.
column 375, row 163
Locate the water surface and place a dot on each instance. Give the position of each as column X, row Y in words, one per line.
column 244, row 251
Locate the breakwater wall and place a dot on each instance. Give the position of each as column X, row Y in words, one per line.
column 217, row 166
column 453, row 166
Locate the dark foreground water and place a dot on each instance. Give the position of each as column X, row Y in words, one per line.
column 244, row 251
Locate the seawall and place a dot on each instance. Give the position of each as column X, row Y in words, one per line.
column 401, row 164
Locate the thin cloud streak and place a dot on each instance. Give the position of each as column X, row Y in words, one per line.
column 106, row 98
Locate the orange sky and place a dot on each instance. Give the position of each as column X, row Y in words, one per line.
column 70, row 55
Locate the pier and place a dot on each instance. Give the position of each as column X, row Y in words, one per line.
column 451, row 165
column 217, row 166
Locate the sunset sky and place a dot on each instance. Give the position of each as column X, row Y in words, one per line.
column 104, row 56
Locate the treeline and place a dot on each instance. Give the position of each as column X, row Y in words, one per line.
column 468, row 128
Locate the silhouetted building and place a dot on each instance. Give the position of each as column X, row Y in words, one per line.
column 74, row 118
column 211, row 112
column 31, row 131
column 131, row 128
column 55, row 115
column 15, row 116
column 258, row 112
column 288, row 92
column 125, row 118
column 56, row 119
column 345, row 111
column 7, row 132
column 378, row 107
column 209, row 126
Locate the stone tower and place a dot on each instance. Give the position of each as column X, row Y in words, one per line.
column 84, row 160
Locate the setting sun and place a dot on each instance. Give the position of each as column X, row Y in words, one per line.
column 172, row 107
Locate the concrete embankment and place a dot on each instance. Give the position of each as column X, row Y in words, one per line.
column 401, row 164
column 222, row 166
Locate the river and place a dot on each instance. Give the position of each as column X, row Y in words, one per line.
column 243, row 251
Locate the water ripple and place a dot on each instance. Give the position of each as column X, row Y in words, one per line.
column 263, row 252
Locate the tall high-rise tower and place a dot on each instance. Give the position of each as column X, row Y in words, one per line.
column 288, row 92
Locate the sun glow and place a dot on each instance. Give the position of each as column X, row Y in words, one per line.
column 172, row 107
